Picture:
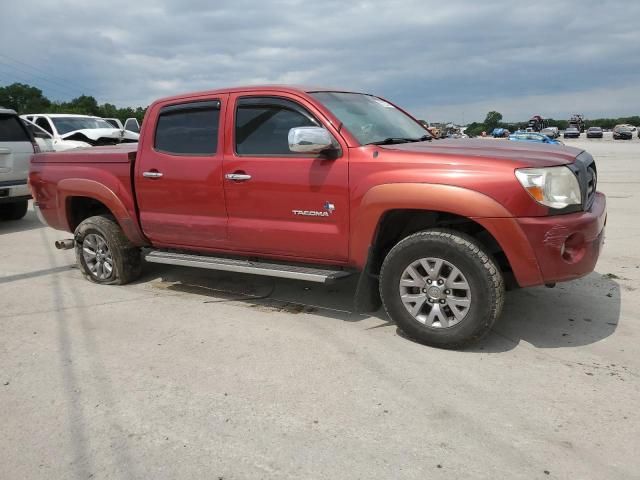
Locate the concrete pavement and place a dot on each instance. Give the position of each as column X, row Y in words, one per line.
column 190, row 374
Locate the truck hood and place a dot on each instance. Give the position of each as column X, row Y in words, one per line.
column 94, row 133
column 97, row 136
column 521, row 154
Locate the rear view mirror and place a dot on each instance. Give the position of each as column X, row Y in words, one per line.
column 309, row 140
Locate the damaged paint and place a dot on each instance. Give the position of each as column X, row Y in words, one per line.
column 555, row 236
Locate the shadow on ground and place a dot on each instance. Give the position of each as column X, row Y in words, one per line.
column 572, row 314
column 29, row 222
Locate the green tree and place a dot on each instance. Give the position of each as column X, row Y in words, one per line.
column 492, row 120
column 23, row 98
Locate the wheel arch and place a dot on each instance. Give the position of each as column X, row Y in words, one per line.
column 388, row 213
column 83, row 198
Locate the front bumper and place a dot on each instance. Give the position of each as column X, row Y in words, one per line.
column 10, row 192
column 567, row 246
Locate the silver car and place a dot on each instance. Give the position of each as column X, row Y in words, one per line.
column 16, row 149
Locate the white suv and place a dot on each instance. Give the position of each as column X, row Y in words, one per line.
column 17, row 147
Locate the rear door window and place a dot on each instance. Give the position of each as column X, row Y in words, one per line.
column 12, row 130
column 188, row 129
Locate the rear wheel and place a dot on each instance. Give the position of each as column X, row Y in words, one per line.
column 441, row 288
column 104, row 253
column 14, row 211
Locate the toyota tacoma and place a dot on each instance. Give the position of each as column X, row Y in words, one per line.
column 316, row 184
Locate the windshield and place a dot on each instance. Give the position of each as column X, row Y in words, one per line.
column 372, row 120
column 70, row 124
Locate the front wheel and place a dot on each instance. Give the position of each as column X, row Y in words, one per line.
column 104, row 253
column 441, row 288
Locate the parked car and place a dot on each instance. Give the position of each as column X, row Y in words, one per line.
column 318, row 185
column 572, row 132
column 131, row 126
column 524, row 136
column 551, row 132
column 82, row 128
column 595, row 132
column 59, row 144
column 622, row 132
column 500, row 133
column 43, row 139
column 17, row 146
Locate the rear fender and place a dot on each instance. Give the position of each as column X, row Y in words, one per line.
column 81, row 187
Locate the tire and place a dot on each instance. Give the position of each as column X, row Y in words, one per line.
column 472, row 284
column 117, row 260
column 14, row 211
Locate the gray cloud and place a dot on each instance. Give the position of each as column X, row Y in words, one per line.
column 438, row 60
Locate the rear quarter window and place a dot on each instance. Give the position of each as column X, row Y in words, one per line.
column 188, row 129
column 11, row 129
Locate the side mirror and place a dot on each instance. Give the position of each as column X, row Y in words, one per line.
column 310, row 140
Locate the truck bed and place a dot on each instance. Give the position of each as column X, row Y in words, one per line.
column 90, row 179
column 123, row 153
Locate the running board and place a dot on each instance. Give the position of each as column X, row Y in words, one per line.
column 310, row 274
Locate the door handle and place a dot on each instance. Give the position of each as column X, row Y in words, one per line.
column 238, row 177
column 152, row 174
column 5, row 151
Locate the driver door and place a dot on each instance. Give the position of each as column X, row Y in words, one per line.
column 279, row 202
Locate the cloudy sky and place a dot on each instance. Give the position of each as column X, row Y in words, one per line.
column 445, row 60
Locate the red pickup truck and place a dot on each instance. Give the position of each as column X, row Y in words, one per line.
column 317, row 184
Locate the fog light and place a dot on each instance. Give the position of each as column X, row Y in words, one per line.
column 573, row 248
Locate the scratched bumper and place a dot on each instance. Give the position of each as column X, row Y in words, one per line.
column 567, row 246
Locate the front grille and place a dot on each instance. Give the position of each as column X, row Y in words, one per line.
column 585, row 169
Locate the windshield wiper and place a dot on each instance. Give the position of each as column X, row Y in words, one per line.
column 394, row 140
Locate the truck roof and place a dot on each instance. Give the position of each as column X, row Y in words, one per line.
column 269, row 88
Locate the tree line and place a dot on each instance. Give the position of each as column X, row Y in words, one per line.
column 26, row 99
column 494, row 120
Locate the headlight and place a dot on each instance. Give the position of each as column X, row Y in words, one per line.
column 555, row 187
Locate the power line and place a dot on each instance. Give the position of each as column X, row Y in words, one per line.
column 49, row 74
column 60, row 86
column 30, row 81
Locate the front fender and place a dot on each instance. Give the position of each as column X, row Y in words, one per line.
column 82, row 187
column 476, row 206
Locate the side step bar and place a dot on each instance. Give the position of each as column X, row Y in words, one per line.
column 310, row 274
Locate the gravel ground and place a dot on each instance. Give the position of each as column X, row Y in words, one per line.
column 186, row 374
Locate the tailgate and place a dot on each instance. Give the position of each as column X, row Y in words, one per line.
column 15, row 151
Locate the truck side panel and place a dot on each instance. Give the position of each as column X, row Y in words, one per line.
column 54, row 184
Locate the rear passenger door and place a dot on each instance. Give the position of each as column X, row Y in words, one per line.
column 179, row 175
column 16, row 150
